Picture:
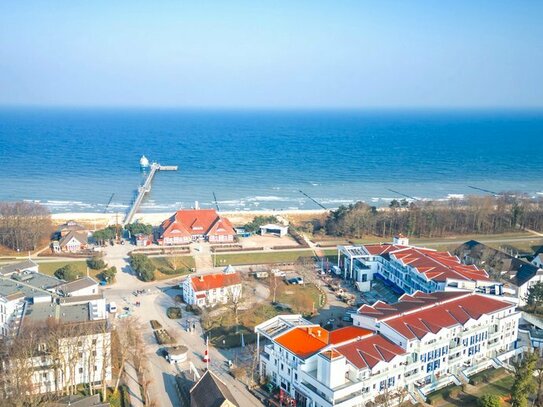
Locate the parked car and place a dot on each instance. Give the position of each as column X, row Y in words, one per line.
column 278, row 273
column 295, row 280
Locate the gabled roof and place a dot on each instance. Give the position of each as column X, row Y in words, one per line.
column 438, row 266
column 369, row 351
column 306, row 341
column 188, row 222
column 524, row 274
column 518, row 270
column 210, row 391
column 212, row 281
column 81, row 237
column 419, row 314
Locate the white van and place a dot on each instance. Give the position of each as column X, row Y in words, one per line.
column 112, row 307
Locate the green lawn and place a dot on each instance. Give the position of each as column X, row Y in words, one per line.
column 168, row 261
column 501, row 386
column 330, row 252
column 261, row 258
column 181, row 263
column 49, row 268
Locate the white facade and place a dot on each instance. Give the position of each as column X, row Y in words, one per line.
column 408, row 368
column 361, row 265
column 11, row 309
column 211, row 295
column 80, row 360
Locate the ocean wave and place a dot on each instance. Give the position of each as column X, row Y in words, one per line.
column 270, row 198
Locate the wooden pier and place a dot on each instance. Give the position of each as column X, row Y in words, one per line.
column 146, row 188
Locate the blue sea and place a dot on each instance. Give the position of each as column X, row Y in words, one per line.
column 75, row 160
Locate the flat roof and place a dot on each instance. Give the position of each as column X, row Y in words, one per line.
column 41, row 312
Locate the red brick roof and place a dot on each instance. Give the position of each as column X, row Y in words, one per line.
column 369, row 351
column 306, row 341
column 213, row 281
column 189, row 222
column 438, row 266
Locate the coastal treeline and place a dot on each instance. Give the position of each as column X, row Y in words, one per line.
column 23, row 225
column 475, row 214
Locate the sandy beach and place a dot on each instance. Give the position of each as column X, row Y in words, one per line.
column 100, row 220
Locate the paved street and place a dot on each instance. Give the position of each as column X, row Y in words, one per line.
column 158, row 297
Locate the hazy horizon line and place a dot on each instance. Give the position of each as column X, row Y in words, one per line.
column 271, row 108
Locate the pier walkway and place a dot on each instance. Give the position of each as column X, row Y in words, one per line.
column 146, row 188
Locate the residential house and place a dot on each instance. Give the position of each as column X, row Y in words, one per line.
column 399, row 351
column 187, row 225
column 210, row 391
column 72, row 242
column 516, row 274
column 78, row 353
column 210, row 289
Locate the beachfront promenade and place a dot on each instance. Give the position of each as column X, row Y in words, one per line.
column 146, row 188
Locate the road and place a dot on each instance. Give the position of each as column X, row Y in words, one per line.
column 158, row 297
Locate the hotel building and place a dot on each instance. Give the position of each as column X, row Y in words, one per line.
column 398, row 352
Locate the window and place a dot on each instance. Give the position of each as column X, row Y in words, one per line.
column 80, row 370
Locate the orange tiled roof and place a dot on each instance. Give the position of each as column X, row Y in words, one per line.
column 306, row 341
column 213, row 281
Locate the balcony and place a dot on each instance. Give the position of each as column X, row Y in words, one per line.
column 264, row 356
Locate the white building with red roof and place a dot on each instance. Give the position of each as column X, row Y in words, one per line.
column 412, row 269
column 187, row 225
column 206, row 290
column 403, row 350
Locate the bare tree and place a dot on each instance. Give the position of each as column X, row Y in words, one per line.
column 23, row 225
column 274, row 283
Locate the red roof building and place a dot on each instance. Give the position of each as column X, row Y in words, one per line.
column 187, row 225
column 415, row 316
column 210, row 289
column 306, row 341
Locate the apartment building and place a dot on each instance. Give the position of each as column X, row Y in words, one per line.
column 399, row 351
column 410, row 269
column 56, row 333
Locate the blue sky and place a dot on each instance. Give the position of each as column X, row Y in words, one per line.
column 278, row 54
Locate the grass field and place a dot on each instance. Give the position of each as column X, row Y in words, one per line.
column 49, row 268
column 523, row 241
column 301, row 298
column 184, row 263
column 262, row 258
column 454, row 396
column 178, row 261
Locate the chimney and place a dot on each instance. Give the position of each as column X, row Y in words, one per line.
column 318, row 333
column 196, row 205
column 201, row 278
